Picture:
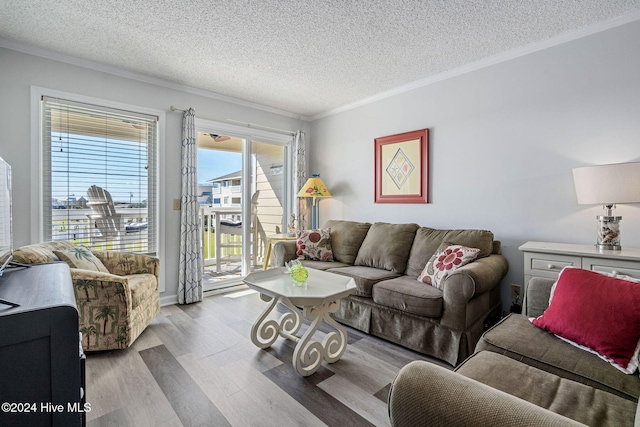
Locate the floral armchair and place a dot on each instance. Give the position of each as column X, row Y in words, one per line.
column 116, row 292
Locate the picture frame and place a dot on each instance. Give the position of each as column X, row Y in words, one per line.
column 401, row 164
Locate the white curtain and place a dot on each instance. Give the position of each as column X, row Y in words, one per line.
column 301, row 209
column 190, row 275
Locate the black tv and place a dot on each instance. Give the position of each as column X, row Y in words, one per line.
column 6, row 235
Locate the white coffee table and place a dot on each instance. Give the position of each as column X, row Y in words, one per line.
column 318, row 298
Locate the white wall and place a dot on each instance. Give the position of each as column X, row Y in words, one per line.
column 503, row 141
column 20, row 71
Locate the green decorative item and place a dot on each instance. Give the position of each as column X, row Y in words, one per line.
column 298, row 272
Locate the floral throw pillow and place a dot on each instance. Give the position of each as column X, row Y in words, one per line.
column 314, row 245
column 447, row 259
column 82, row 258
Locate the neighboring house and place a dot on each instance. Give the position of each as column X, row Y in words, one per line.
column 205, row 194
column 72, row 202
column 227, row 190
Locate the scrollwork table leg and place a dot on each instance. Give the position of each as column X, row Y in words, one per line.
column 309, row 354
column 264, row 332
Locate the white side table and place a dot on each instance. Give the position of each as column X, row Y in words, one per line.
column 320, row 297
column 546, row 259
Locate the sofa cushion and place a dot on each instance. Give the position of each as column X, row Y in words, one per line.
column 346, row 239
column 40, row 253
column 404, row 293
column 314, row 245
column 428, row 240
column 516, row 337
column 387, row 246
column 323, row 265
column 447, row 259
column 365, row 277
column 82, row 258
column 598, row 312
column 560, row 395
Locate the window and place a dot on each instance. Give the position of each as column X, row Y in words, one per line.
column 87, row 146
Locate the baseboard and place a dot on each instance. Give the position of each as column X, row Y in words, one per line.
column 173, row 299
column 168, row 300
column 231, row 288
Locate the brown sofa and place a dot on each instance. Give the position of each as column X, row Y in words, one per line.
column 386, row 259
column 519, row 375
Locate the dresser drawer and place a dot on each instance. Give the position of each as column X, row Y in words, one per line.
column 617, row 267
column 548, row 265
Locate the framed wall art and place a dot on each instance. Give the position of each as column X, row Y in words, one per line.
column 402, row 167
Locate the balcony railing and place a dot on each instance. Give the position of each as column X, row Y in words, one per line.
column 221, row 247
column 76, row 225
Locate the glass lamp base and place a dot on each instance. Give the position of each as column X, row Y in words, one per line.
column 608, row 232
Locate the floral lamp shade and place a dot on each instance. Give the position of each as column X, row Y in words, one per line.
column 314, row 187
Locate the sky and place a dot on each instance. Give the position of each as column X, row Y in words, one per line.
column 86, row 154
column 214, row 163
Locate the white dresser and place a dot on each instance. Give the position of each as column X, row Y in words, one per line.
column 544, row 259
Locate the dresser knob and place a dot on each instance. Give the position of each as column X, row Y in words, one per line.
column 614, row 272
column 551, row 266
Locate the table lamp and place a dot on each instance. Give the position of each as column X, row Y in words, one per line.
column 608, row 185
column 314, row 187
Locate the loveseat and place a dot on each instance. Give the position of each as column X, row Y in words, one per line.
column 389, row 302
column 519, row 375
column 116, row 292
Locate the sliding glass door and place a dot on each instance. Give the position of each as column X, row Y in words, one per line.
column 244, row 197
column 269, row 173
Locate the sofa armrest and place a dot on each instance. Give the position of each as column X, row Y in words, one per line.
column 536, row 296
column 478, row 277
column 475, row 278
column 426, row 394
column 125, row 263
column 284, row 251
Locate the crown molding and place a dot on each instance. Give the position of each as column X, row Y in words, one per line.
column 120, row 72
column 483, row 63
column 489, row 61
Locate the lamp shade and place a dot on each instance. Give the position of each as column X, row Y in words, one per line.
column 608, row 184
column 314, row 187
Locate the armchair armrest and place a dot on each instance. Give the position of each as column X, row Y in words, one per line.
column 104, row 307
column 125, row 263
column 426, row 394
column 98, row 276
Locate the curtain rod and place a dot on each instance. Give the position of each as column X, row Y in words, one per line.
column 248, row 125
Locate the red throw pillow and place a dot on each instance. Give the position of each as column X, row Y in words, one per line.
column 597, row 312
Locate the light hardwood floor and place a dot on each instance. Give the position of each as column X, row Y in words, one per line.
column 195, row 365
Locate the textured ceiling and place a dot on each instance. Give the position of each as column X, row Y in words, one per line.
column 301, row 56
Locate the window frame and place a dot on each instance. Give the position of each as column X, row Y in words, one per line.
column 37, row 190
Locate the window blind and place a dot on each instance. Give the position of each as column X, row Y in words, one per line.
column 87, row 146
